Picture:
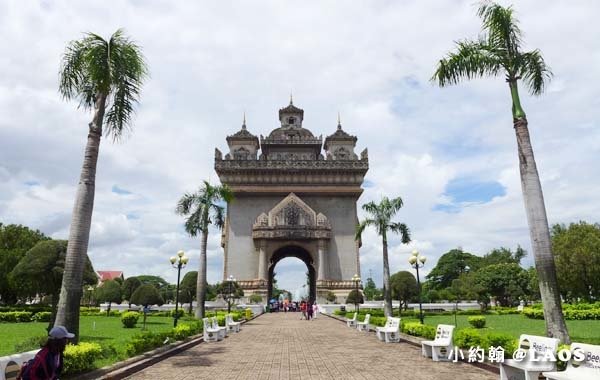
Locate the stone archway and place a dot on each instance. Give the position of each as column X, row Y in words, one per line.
column 299, row 253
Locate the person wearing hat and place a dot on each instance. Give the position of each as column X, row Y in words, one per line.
column 48, row 362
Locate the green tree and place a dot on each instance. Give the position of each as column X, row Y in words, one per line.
column 109, row 291
column 146, row 295
column 331, row 297
column 404, row 288
column 187, row 289
column 230, row 291
column 380, row 217
column 506, row 282
column 129, row 286
column 577, row 255
column 450, row 266
column 15, row 241
column 534, row 284
column 498, row 52
column 105, row 76
column 504, row 255
column 371, row 291
column 256, row 298
column 355, row 297
column 203, row 208
column 156, row 281
column 40, row 272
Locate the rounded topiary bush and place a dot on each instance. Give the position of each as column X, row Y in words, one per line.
column 129, row 319
column 477, row 322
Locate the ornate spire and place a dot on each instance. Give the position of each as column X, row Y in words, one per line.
column 291, row 99
column 244, row 122
column 339, row 122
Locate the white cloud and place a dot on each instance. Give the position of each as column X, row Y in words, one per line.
column 370, row 61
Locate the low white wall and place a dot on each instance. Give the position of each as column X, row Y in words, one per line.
column 16, row 358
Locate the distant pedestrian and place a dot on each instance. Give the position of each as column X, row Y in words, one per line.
column 48, row 362
column 315, row 310
column 303, row 310
column 309, row 311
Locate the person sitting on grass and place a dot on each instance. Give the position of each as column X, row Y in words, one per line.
column 48, row 362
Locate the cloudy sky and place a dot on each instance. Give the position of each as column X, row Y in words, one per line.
column 449, row 153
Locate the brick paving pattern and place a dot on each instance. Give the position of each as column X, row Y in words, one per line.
column 281, row 346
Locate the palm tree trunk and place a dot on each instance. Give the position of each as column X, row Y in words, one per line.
column 387, row 294
column 201, row 284
column 71, row 289
column 540, row 234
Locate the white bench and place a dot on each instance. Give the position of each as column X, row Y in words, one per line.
column 588, row 369
column 11, row 365
column 440, row 348
column 364, row 325
column 352, row 322
column 390, row 332
column 210, row 333
column 231, row 325
column 533, row 364
column 222, row 329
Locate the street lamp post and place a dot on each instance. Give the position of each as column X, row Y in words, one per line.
column 418, row 261
column 231, row 281
column 356, row 280
column 179, row 261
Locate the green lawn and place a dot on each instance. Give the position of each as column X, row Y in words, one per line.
column 100, row 329
column 515, row 324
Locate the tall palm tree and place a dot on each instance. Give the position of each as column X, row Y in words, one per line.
column 106, row 77
column 203, row 208
column 498, row 52
column 381, row 218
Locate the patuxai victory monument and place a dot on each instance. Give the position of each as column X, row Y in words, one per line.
column 295, row 196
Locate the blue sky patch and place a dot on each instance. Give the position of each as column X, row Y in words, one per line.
column 117, row 190
column 465, row 190
column 31, row 183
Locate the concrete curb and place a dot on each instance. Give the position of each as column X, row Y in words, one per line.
column 128, row 367
column 416, row 341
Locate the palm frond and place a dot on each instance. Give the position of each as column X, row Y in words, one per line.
column 472, row 59
column 402, row 229
column 219, row 216
column 225, row 193
column 501, row 26
column 360, row 228
column 193, row 224
column 127, row 73
column 371, row 208
column 185, row 204
column 534, row 72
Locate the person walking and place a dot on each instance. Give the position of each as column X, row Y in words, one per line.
column 309, row 311
column 48, row 362
column 315, row 310
column 303, row 310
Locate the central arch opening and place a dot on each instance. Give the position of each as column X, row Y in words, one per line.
column 299, row 253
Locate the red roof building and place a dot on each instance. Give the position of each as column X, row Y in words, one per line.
column 105, row 275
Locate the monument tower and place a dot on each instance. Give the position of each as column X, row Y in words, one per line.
column 295, row 196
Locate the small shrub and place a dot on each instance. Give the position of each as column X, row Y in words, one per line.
column 182, row 331
column 562, row 365
column 500, row 339
column 248, row 313
column 130, row 319
column 378, row 321
column 533, row 313
column 81, row 357
column 42, row 316
column 478, row 322
column 417, row 329
column 145, row 342
column 468, row 337
column 180, row 313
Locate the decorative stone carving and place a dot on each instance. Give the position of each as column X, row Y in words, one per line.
column 218, row 154
column 262, row 220
column 322, row 221
column 241, row 154
column 364, row 155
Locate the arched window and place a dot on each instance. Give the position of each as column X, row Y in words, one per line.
column 291, row 120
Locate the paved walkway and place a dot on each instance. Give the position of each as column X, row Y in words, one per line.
column 280, row 346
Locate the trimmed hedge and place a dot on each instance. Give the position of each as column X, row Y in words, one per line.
column 500, row 339
column 81, row 357
column 42, row 316
column 417, row 329
column 572, row 312
column 16, row 316
column 468, row 337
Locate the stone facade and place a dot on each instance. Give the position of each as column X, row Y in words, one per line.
column 291, row 200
